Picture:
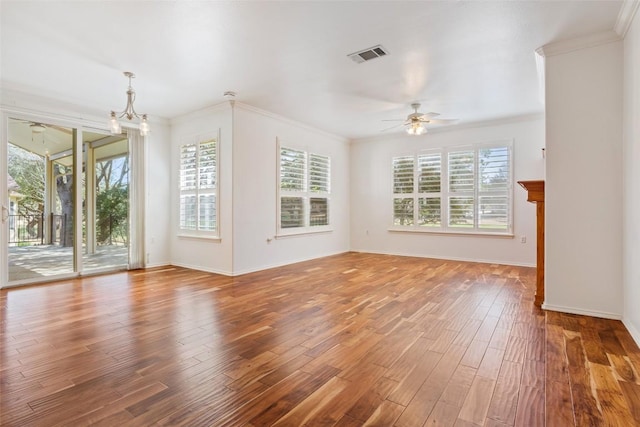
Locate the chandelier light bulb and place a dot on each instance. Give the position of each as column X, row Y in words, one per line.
column 114, row 125
column 144, row 125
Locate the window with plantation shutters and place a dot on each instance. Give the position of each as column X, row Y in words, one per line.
column 303, row 191
column 457, row 189
column 416, row 188
column 198, row 185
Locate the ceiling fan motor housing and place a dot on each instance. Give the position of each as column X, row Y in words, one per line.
column 37, row 128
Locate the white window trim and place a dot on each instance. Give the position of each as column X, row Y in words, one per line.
column 307, row 229
column 444, row 228
column 214, row 239
column 213, row 236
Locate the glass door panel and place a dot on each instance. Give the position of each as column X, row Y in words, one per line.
column 41, row 203
column 106, row 202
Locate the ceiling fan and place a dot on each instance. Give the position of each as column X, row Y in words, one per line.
column 415, row 122
column 38, row 127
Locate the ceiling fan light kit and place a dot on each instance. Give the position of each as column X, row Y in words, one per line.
column 416, row 128
column 129, row 112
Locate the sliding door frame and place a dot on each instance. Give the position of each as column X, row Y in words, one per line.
column 77, row 127
column 4, row 200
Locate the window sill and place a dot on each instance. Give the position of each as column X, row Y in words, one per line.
column 305, row 232
column 214, row 239
column 503, row 235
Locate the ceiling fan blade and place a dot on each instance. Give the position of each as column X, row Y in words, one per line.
column 393, row 120
column 429, row 115
column 392, row 127
column 60, row 128
column 44, row 125
column 440, row 121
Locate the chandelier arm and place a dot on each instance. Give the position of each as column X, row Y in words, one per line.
column 128, row 114
column 131, row 98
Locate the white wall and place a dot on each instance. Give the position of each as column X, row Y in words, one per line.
column 631, row 187
column 199, row 253
column 371, row 178
column 255, row 169
column 157, row 181
column 584, row 181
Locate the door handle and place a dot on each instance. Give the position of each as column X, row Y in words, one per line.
column 5, row 214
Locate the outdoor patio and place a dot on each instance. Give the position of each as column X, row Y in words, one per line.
column 29, row 262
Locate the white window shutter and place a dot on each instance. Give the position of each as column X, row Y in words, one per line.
column 198, row 182
column 403, row 174
column 292, row 170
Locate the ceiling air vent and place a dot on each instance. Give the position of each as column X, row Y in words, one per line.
column 368, row 54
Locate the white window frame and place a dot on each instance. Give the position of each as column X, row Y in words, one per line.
column 197, row 191
column 306, row 194
column 445, row 192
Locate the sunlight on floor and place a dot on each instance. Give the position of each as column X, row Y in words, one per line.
column 27, row 262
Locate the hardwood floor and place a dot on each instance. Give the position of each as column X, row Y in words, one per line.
column 348, row 340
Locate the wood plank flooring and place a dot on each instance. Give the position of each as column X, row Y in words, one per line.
column 349, row 340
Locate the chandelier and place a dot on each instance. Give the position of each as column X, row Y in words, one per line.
column 129, row 112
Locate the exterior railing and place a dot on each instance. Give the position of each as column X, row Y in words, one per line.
column 29, row 230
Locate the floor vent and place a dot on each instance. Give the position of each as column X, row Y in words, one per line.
column 368, row 54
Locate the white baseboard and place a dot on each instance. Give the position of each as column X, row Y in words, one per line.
column 293, row 261
column 157, row 264
column 583, row 312
column 633, row 331
column 482, row 261
column 256, row 269
column 200, row 268
column 289, row 262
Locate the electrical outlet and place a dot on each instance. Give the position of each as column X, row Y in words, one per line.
column 523, row 239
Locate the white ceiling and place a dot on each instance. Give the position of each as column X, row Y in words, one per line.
column 469, row 60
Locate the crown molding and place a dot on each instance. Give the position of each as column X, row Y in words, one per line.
column 570, row 45
column 288, row 121
column 202, row 112
column 625, row 17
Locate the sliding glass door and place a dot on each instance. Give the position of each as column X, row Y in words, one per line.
column 66, row 209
